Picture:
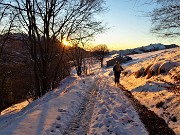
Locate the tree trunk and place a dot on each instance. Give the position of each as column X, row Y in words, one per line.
column 101, row 62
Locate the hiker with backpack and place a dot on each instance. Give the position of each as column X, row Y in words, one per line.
column 117, row 71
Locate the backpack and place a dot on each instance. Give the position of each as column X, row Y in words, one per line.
column 118, row 67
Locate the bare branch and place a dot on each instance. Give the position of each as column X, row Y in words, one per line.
column 166, row 19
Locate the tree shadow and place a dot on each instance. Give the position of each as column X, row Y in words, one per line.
column 150, row 87
column 21, row 123
column 11, row 123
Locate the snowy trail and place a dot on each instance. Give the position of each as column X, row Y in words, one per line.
column 79, row 125
column 89, row 105
column 104, row 110
column 113, row 113
column 80, row 122
column 48, row 114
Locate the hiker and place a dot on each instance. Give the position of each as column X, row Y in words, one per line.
column 117, row 71
column 78, row 68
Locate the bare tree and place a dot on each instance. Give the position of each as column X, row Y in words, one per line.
column 100, row 51
column 5, row 74
column 44, row 21
column 166, row 18
column 15, row 80
column 77, row 53
column 6, row 25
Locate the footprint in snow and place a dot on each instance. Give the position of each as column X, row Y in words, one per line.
column 58, row 118
column 52, row 130
column 58, row 126
column 61, row 110
column 114, row 116
column 102, row 111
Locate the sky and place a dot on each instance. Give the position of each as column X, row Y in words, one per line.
column 129, row 26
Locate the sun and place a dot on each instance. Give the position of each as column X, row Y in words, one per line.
column 65, row 42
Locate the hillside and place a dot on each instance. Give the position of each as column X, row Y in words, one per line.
column 147, row 48
column 94, row 105
column 159, row 92
column 58, row 111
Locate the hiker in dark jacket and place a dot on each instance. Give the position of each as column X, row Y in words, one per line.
column 117, row 71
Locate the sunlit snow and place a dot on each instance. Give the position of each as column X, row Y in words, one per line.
column 51, row 114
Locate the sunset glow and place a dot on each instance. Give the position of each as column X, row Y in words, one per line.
column 65, row 42
column 129, row 26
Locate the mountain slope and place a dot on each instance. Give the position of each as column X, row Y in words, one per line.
column 159, row 92
column 56, row 112
column 53, row 113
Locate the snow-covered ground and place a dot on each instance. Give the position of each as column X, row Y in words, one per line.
column 152, row 92
column 112, row 113
column 52, row 113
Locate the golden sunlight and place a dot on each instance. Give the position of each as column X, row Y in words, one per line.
column 65, row 42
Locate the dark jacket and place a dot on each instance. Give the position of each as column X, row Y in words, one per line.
column 117, row 68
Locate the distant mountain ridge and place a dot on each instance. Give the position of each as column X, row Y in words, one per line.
column 143, row 49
